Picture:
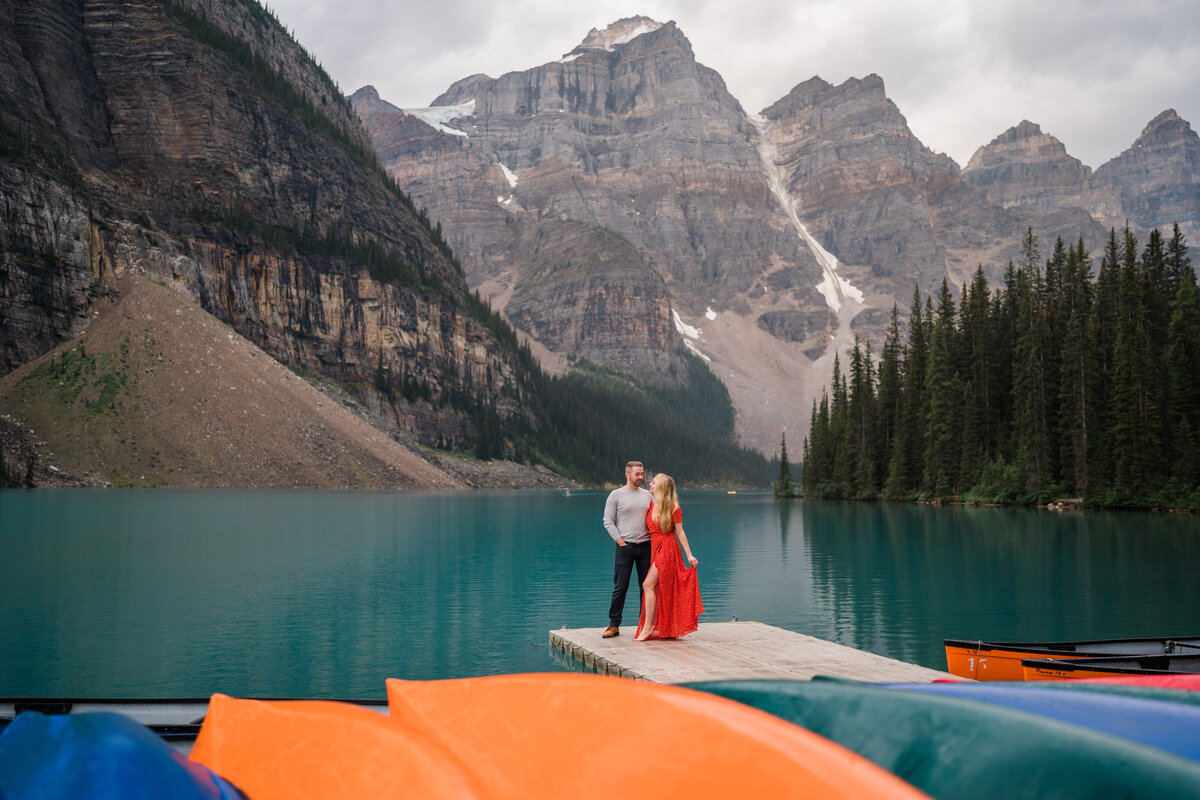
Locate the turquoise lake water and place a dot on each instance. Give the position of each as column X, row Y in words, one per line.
column 163, row 593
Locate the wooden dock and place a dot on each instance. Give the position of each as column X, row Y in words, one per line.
column 729, row 651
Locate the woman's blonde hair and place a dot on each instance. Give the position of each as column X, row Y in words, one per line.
column 665, row 501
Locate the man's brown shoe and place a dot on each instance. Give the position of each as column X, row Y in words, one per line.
column 611, row 631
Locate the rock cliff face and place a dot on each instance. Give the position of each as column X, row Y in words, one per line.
column 1157, row 180
column 878, row 198
column 777, row 237
column 195, row 143
column 594, row 295
column 627, row 133
column 1025, row 167
column 1154, row 183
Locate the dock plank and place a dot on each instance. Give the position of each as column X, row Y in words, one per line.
column 731, row 651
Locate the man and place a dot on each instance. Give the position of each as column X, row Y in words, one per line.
column 625, row 521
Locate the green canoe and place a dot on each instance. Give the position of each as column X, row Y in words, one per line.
column 954, row 748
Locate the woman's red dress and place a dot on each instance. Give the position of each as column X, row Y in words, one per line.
column 679, row 604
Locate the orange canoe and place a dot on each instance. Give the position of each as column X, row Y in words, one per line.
column 1051, row 669
column 1001, row 661
column 530, row 736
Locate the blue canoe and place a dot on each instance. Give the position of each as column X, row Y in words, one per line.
column 1169, row 726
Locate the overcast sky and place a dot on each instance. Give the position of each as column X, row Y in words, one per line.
column 1090, row 72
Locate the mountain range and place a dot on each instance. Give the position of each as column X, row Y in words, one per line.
column 766, row 241
column 616, row 205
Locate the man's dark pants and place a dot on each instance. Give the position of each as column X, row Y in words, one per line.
column 626, row 557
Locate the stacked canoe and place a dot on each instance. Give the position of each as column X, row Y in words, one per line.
column 1071, row 739
column 1034, row 661
column 514, row 736
column 573, row 735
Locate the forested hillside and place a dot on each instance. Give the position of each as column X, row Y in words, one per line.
column 1059, row 383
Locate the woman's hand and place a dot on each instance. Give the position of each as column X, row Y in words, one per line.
column 693, row 560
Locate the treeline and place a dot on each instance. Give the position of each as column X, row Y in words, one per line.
column 593, row 420
column 1060, row 383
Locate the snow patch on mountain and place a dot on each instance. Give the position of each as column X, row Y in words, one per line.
column 684, row 329
column 509, row 175
column 439, row 116
column 833, row 287
column 620, row 32
column 688, row 332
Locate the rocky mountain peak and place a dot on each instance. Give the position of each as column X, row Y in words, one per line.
column 1025, row 166
column 1157, row 180
column 858, row 92
column 463, row 90
column 1025, row 143
column 618, row 33
column 1165, row 129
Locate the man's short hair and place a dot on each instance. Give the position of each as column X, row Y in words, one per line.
column 633, row 464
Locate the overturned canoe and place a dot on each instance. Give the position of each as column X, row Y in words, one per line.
column 1052, row 669
column 950, row 747
column 529, row 736
column 1001, row 661
column 1183, row 689
column 1157, row 722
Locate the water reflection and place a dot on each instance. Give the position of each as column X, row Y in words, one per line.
column 329, row 593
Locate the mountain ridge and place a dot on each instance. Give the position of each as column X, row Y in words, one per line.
column 181, row 151
column 876, row 211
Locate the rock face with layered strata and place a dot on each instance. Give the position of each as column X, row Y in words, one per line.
column 1153, row 184
column 877, row 197
column 140, row 137
column 1157, row 180
column 1025, row 167
column 796, row 229
column 628, row 133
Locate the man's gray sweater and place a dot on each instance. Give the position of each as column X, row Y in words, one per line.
column 625, row 514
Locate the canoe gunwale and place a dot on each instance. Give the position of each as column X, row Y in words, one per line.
column 1069, row 648
column 1108, row 665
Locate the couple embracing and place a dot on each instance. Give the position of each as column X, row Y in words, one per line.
column 645, row 526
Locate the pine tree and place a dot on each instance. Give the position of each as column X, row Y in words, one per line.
column 1183, row 354
column 784, row 486
column 841, row 433
column 1004, row 331
column 862, row 422
column 940, row 474
column 1105, row 312
column 817, row 469
column 1157, row 284
column 1131, row 431
column 1077, row 374
column 1054, row 320
column 887, row 405
column 1031, row 435
column 977, row 412
column 907, row 464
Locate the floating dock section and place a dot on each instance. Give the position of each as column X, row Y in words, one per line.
column 730, row 651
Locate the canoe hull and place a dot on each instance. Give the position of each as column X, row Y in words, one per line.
column 1001, row 661
column 1044, row 669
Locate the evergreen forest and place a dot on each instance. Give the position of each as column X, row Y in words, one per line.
column 1064, row 382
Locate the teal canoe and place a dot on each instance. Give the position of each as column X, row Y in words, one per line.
column 952, row 748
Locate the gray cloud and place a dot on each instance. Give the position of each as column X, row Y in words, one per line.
column 1091, row 72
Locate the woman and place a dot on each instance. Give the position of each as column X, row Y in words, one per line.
column 671, row 597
